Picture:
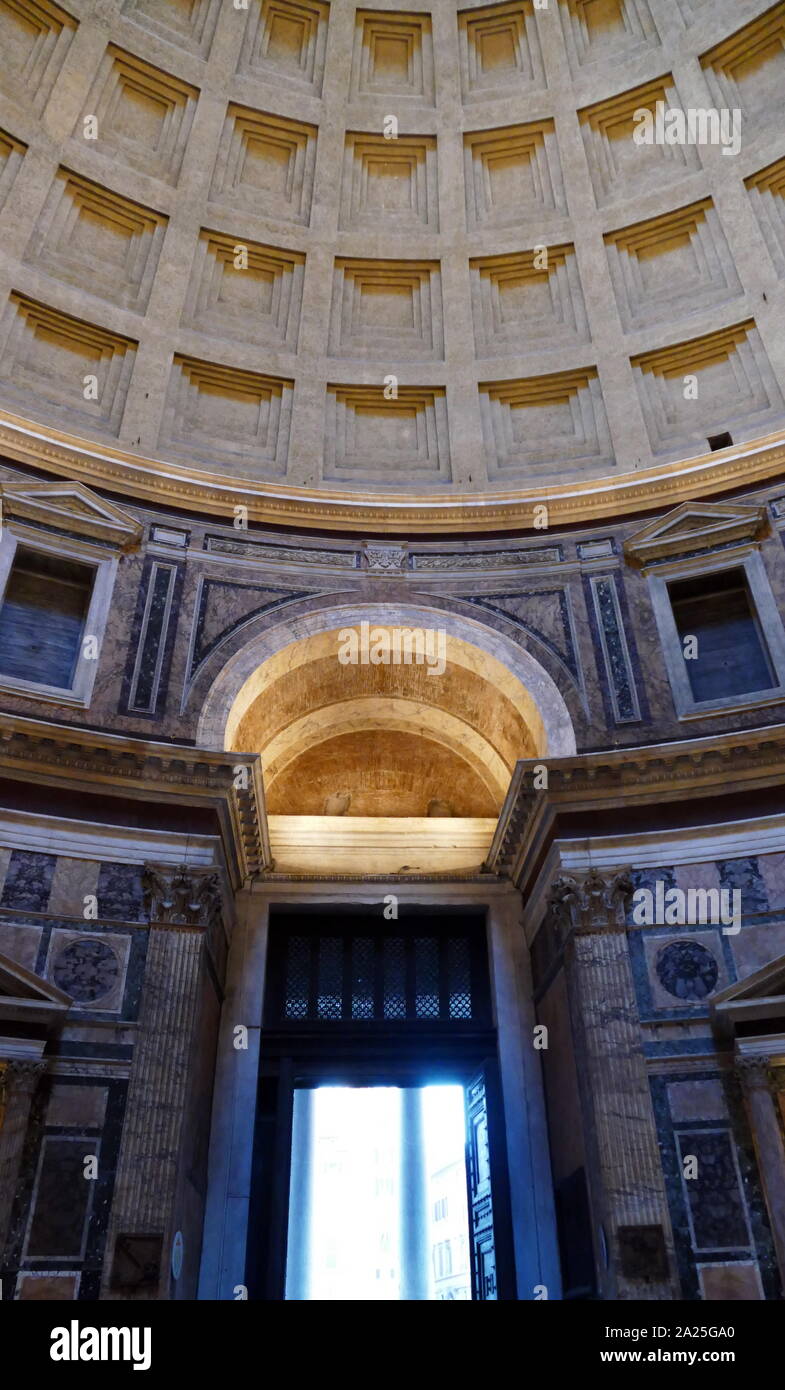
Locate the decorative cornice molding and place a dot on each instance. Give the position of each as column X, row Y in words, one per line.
column 653, row 773
column 693, row 527
column 65, row 755
column 577, row 502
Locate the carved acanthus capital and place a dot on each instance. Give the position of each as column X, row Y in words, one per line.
column 182, row 895
column 23, row 1073
column 756, row 1074
column 589, row 902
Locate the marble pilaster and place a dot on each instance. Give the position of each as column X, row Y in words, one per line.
column 624, row 1171
column 760, row 1084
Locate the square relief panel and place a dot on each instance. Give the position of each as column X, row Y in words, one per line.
column 189, row 24
column 533, row 425
column 89, row 967
column 34, row 39
column 611, row 29
column 684, row 971
column 767, row 195
column 12, row 152
column 46, row 356
column 393, row 56
column 386, row 310
column 265, row 164
column 672, row 265
column 389, row 185
column 97, row 240
column 747, row 71
column 517, row 304
column 241, row 289
column 513, row 174
column 736, row 388
column 369, row 439
column 216, row 412
column 620, row 168
column 285, row 41
column 143, row 115
column 499, row 51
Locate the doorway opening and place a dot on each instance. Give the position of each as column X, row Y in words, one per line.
column 369, row 1027
column 378, row 1207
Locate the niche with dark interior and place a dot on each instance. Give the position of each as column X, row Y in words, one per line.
column 732, row 657
column 42, row 617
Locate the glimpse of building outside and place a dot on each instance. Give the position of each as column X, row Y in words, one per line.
column 355, row 1204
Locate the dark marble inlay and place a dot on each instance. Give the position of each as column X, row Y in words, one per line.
column 62, row 1200
column 745, row 875
column 153, row 632
column 719, row 1219
column 28, row 881
column 145, row 689
column 614, row 650
column 120, row 894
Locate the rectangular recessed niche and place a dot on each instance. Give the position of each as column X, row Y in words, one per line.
column 189, row 24
column 104, row 244
column 257, row 302
column 370, row 439
column 620, row 168
column 733, row 380
column 767, row 195
column 35, row 36
column 285, row 42
column 533, row 426
column 227, row 417
column 12, row 152
column 265, row 164
column 747, row 71
column 389, row 185
column 393, row 56
column 516, row 304
column 671, row 265
column 386, row 310
column 499, row 51
column 143, row 114
column 47, row 355
column 513, row 175
column 605, row 29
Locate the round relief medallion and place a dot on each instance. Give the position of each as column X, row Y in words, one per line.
column 687, row 970
column 86, row 970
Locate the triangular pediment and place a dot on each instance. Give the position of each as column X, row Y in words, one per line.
column 695, row 526
column 757, row 997
column 71, row 506
column 27, row 998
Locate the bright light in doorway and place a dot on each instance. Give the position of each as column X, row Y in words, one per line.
column 357, row 1223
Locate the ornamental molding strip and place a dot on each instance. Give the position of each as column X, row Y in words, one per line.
column 583, row 502
column 63, row 755
column 695, row 526
column 74, row 508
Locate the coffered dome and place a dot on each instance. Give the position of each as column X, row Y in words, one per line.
column 334, row 261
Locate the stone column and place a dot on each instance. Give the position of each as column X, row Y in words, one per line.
column 184, row 906
column 415, row 1246
column 19, row 1079
column 633, row 1239
column 298, row 1248
column 760, row 1086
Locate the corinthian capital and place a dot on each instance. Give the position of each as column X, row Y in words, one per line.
column 181, row 895
column 755, row 1074
column 590, row 901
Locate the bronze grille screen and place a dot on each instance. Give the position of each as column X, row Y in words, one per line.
column 419, row 972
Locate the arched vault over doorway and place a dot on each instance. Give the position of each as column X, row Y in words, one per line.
column 390, row 741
